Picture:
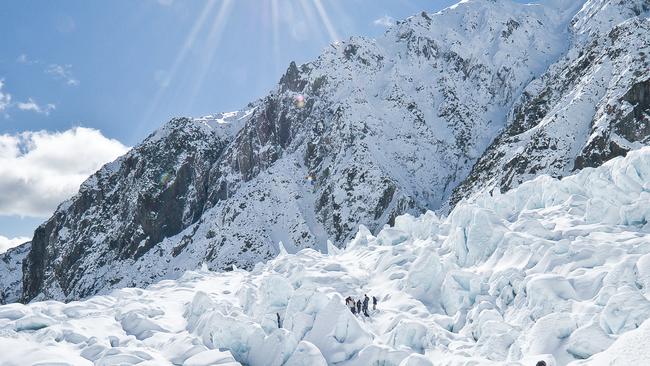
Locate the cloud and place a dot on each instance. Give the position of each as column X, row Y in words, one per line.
column 40, row 169
column 31, row 105
column 24, row 59
column 385, row 21
column 5, row 98
column 62, row 72
column 8, row 243
column 162, row 78
column 65, row 24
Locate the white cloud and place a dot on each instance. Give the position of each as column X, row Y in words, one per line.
column 7, row 243
column 39, row 170
column 65, row 23
column 26, row 60
column 162, row 78
column 22, row 59
column 385, row 21
column 62, row 72
column 5, row 98
column 31, row 105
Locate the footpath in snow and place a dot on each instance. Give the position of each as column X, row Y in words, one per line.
column 556, row 270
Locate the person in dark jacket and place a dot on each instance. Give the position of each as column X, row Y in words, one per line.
column 366, row 300
column 350, row 304
column 374, row 303
column 279, row 322
column 541, row 363
column 359, row 306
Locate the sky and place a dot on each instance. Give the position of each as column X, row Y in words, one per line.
column 82, row 81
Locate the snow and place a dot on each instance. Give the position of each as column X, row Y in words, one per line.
column 555, row 270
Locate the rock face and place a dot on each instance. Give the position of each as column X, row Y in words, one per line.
column 369, row 130
column 11, row 273
column 589, row 107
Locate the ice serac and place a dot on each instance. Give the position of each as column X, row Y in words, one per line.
column 590, row 106
column 369, row 130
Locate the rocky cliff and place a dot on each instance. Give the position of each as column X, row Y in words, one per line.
column 589, row 107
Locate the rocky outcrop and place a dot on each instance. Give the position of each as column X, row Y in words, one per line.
column 125, row 209
column 588, row 108
column 11, row 277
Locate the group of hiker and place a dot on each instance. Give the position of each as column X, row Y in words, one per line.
column 356, row 307
column 360, row 307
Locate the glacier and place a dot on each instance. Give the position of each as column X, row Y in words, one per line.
column 555, row 270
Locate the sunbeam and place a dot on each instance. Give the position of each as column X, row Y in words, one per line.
column 308, row 12
column 326, row 21
column 182, row 54
column 212, row 44
column 275, row 31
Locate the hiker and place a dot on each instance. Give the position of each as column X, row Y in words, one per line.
column 359, row 306
column 374, row 303
column 365, row 305
column 279, row 323
column 349, row 303
column 310, row 179
column 541, row 363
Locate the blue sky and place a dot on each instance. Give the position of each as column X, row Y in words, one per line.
column 121, row 68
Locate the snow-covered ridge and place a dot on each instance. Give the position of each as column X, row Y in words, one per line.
column 555, row 270
column 590, row 106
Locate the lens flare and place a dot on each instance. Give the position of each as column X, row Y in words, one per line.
column 165, row 178
column 299, row 101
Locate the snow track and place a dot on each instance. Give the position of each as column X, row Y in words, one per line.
column 555, row 270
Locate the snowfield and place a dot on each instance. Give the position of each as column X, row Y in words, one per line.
column 555, row 270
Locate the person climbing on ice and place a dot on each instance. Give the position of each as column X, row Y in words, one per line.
column 374, row 303
column 279, row 322
column 366, row 300
column 541, row 363
column 349, row 303
column 359, row 306
column 310, row 179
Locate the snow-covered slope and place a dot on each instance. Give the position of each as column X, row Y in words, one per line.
column 552, row 270
column 380, row 127
column 592, row 105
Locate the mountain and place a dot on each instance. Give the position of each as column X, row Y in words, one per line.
column 554, row 270
column 590, row 106
column 369, row 130
column 11, row 271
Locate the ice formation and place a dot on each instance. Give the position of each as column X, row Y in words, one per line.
column 555, row 270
